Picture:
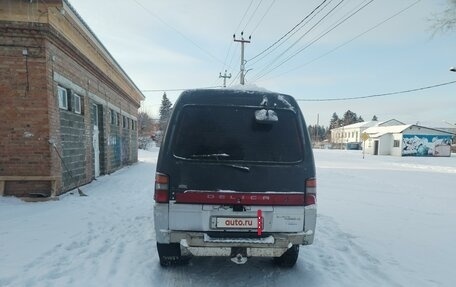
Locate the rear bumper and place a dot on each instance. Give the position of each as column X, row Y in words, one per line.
column 201, row 239
column 201, row 244
column 197, row 240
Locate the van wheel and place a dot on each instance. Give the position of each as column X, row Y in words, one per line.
column 289, row 258
column 170, row 254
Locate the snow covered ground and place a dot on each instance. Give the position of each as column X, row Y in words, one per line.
column 383, row 221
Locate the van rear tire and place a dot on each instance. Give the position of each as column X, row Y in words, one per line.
column 170, row 254
column 289, row 258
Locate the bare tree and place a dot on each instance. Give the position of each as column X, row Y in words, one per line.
column 446, row 20
column 145, row 123
column 145, row 127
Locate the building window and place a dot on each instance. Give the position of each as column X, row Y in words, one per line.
column 77, row 104
column 63, row 98
column 118, row 119
column 113, row 117
column 124, row 122
column 396, row 143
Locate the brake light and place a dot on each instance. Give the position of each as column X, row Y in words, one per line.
column 161, row 188
column 311, row 191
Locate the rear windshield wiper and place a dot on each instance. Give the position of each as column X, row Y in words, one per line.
column 241, row 167
column 212, row 155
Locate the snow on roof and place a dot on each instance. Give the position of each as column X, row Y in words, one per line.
column 369, row 124
column 437, row 124
column 379, row 130
column 391, row 122
column 359, row 125
column 249, row 87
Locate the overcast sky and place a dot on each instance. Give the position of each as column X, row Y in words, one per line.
column 174, row 44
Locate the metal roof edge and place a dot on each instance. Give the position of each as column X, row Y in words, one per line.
column 86, row 26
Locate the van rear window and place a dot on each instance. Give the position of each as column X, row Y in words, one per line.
column 216, row 133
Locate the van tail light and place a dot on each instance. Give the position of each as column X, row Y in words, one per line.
column 311, row 191
column 161, row 194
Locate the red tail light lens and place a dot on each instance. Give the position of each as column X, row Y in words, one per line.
column 161, row 188
column 311, row 191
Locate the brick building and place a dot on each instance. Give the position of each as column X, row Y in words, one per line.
column 68, row 110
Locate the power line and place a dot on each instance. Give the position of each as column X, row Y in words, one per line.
column 376, row 95
column 177, row 31
column 264, row 15
column 349, row 41
column 226, row 57
column 253, row 14
column 267, row 69
column 318, row 38
column 233, row 55
column 271, row 69
column 245, row 13
column 291, row 35
column 291, row 30
column 231, row 42
column 177, row 90
column 234, row 79
column 269, row 65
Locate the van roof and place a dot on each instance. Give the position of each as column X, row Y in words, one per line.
column 237, row 97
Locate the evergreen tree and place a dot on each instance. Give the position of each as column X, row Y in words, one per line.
column 317, row 133
column 350, row 118
column 335, row 121
column 165, row 112
column 374, row 118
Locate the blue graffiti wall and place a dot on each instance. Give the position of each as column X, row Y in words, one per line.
column 423, row 145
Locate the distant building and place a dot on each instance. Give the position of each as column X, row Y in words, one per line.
column 408, row 140
column 69, row 111
column 352, row 133
column 440, row 125
column 393, row 137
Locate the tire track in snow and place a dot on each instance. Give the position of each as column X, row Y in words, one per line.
column 338, row 255
column 91, row 259
column 109, row 238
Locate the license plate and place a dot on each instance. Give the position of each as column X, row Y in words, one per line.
column 237, row 222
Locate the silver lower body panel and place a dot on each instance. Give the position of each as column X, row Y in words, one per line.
column 201, row 244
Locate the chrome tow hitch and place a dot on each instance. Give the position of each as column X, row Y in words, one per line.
column 239, row 255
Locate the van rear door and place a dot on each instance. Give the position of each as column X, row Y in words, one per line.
column 237, row 148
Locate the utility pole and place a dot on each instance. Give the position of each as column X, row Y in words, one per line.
column 242, row 41
column 224, row 78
